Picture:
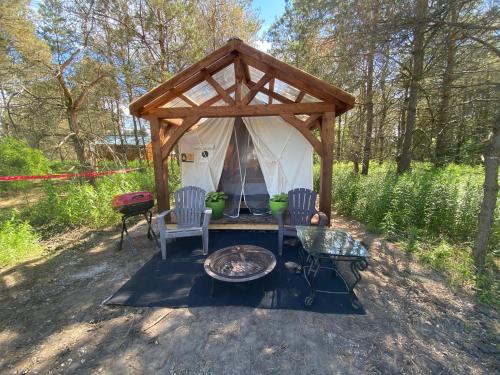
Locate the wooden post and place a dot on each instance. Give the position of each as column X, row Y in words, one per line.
column 160, row 166
column 325, row 193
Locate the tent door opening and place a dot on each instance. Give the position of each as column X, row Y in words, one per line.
column 242, row 179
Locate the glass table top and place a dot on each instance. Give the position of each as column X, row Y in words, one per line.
column 327, row 241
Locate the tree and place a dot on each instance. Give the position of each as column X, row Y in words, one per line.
column 418, row 51
column 370, row 57
column 490, row 195
column 442, row 140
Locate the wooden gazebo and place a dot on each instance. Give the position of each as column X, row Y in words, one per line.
column 302, row 100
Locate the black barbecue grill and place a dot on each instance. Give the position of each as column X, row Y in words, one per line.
column 135, row 204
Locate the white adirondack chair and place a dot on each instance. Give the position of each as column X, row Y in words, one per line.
column 301, row 209
column 191, row 215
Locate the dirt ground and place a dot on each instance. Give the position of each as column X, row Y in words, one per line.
column 20, row 200
column 52, row 321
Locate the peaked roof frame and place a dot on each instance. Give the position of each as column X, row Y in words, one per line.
column 169, row 122
column 243, row 56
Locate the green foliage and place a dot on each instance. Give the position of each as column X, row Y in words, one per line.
column 283, row 197
column 72, row 203
column 433, row 211
column 438, row 201
column 17, row 158
column 174, row 177
column 215, row 196
column 18, row 240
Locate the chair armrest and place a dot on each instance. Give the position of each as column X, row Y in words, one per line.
column 323, row 220
column 280, row 217
column 160, row 219
column 207, row 214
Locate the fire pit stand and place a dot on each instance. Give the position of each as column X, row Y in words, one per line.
column 238, row 264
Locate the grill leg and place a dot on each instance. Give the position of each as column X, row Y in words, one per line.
column 149, row 219
column 124, row 230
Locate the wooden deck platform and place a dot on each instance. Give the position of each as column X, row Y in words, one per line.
column 244, row 221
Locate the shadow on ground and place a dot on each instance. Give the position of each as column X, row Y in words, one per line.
column 52, row 321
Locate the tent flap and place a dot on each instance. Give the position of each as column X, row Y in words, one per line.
column 203, row 151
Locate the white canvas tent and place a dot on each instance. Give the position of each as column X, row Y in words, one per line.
column 286, row 114
column 283, row 154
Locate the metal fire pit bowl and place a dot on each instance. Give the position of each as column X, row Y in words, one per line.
column 240, row 263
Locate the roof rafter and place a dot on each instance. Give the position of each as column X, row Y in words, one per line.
column 243, row 56
column 253, row 91
column 188, row 84
column 217, row 87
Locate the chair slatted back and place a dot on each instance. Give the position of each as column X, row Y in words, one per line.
column 189, row 206
column 301, row 206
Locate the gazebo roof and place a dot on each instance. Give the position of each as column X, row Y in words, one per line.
column 236, row 80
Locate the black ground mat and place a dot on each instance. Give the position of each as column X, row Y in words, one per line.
column 181, row 281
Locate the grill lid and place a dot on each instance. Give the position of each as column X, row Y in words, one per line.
column 132, row 198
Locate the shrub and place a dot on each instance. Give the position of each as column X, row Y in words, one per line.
column 72, row 202
column 18, row 240
column 442, row 202
column 17, row 158
column 432, row 210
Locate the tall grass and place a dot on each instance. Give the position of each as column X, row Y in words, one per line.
column 433, row 211
column 17, row 158
column 18, row 240
column 442, row 202
column 76, row 203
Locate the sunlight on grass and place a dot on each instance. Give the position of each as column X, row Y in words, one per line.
column 18, row 241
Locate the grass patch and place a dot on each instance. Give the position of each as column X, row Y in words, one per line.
column 18, row 240
column 433, row 211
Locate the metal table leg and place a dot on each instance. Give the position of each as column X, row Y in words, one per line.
column 313, row 266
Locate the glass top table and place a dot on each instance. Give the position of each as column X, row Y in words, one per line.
column 330, row 249
column 330, row 242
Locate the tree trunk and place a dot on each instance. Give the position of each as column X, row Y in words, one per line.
column 487, row 212
column 357, row 143
column 369, row 96
column 442, row 152
column 383, row 113
column 404, row 160
column 402, row 124
column 77, row 140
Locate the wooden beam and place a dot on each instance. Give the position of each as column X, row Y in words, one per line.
column 160, row 166
column 242, row 110
column 188, row 101
column 310, row 122
column 300, row 78
column 253, row 91
column 178, row 132
column 216, row 98
column 299, row 125
column 186, row 85
column 246, row 71
column 223, row 93
column 238, row 75
column 275, row 95
column 299, row 97
column 136, row 106
column 271, row 91
column 326, row 171
column 288, row 77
